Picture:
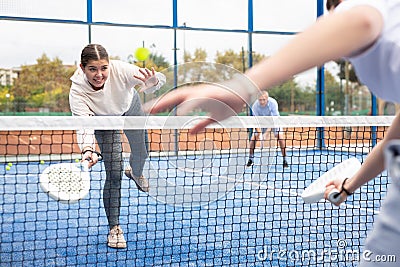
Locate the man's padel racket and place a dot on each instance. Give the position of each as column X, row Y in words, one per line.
column 66, row 182
column 315, row 191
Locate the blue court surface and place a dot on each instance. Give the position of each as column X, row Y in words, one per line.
column 201, row 211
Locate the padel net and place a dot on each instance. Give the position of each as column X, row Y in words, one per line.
column 205, row 207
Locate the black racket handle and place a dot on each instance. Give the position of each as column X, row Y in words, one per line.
column 334, row 196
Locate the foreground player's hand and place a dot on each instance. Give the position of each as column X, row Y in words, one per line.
column 219, row 102
column 332, row 185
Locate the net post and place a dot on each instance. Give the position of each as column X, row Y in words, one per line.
column 320, row 106
column 320, row 88
column 89, row 19
column 175, row 26
column 373, row 113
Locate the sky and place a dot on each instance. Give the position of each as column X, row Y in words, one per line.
column 23, row 42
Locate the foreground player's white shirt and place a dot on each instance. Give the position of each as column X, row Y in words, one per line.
column 379, row 66
column 379, row 69
column 113, row 100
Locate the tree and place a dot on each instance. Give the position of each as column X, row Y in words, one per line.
column 188, row 72
column 44, row 84
column 199, row 55
column 5, row 98
column 333, row 95
column 351, row 83
column 342, row 71
column 159, row 62
column 156, row 61
column 292, row 98
column 288, row 94
column 237, row 60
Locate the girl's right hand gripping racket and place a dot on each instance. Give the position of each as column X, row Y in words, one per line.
column 66, row 182
column 315, row 191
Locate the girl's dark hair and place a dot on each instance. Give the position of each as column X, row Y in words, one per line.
column 93, row 52
column 332, row 3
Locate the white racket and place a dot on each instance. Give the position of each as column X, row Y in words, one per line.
column 66, row 182
column 315, row 191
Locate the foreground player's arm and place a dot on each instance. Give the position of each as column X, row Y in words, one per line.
column 334, row 36
column 372, row 167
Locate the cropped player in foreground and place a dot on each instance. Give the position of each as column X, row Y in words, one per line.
column 367, row 32
column 107, row 87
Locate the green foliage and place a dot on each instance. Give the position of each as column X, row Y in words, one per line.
column 292, row 98
column 46, row 84
column 43, row 85
column 342, row 71
column 333, row 95
column 238, row 61
column 5, row 98
column 158, row 62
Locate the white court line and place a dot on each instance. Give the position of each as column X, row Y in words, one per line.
column 284, row 191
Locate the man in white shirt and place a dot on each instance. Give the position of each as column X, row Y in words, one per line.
column 266, row 106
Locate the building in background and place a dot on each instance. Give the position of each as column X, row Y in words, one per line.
column 7, row 76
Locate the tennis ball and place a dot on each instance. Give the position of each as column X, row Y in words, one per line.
column 77, row 160
column 8, row 168
column 142, row 53
column 42, row 162
column 9, row 164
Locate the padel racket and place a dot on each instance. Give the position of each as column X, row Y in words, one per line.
column 66, row 182
column 392, row 159
column 315, row 191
